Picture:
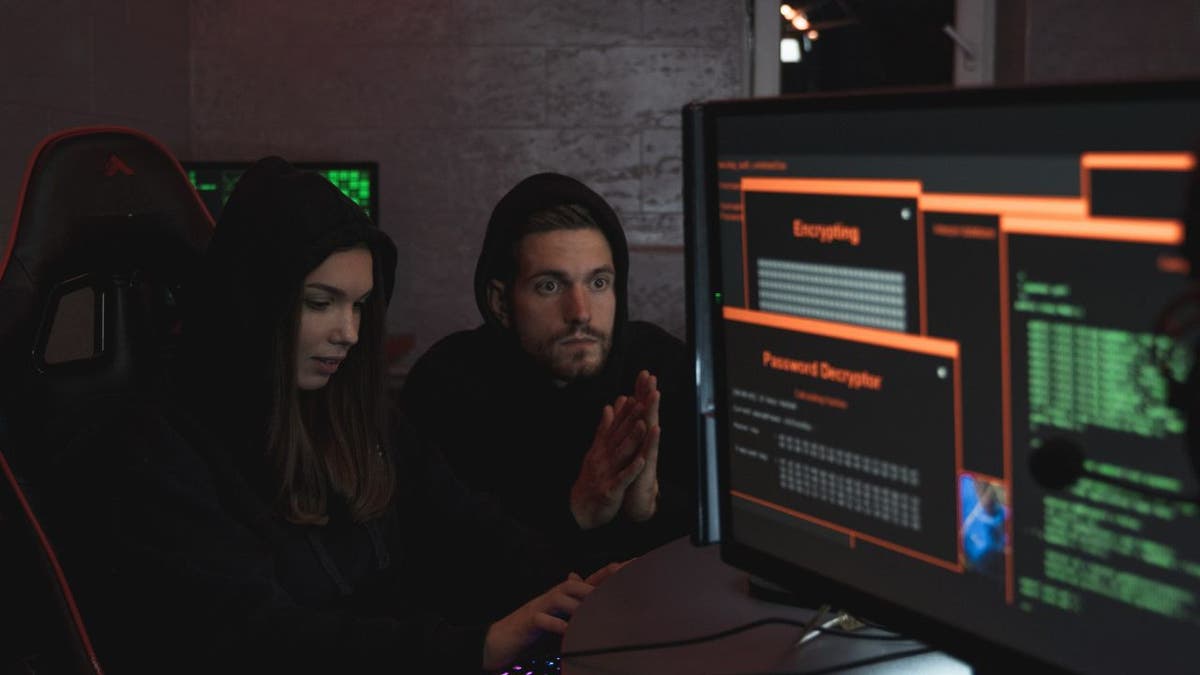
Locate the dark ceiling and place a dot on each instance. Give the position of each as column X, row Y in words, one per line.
column 872, row 43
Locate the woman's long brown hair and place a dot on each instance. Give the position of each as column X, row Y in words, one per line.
column 334, row 438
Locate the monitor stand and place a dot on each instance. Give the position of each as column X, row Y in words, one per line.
column 761, row 589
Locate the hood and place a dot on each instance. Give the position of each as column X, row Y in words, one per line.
column 535, row 193
column 279, row 224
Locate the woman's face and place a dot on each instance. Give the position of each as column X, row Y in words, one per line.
column 330, row 311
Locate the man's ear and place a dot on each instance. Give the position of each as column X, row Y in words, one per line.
column 498, row 302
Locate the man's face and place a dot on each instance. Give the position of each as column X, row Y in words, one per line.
column 562, row 303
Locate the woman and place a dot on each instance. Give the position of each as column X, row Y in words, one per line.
column 269, row 518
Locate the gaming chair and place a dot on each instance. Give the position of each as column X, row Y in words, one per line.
column 106, row 233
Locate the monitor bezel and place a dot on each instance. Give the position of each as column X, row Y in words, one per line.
column 703, row 239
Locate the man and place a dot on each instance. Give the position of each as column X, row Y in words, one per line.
column 577, row 420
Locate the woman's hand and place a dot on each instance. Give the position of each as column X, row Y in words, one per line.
column 547, row 613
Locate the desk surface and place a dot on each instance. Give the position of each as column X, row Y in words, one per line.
column 680, row 591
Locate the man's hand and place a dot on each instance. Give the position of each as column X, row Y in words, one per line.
column 610, row 465
column 547, row 613
column 641, row 499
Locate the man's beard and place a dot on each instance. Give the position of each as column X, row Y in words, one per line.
column 567, row 363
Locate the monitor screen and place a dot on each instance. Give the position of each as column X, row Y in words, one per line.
column 359, row 181
column 926, row 332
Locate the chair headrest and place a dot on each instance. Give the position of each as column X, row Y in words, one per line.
column 107, row 231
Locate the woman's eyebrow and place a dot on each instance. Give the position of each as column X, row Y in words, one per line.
column 335, row 291
column 332, row 290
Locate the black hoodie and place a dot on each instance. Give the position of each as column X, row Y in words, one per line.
column 509, row 430
column 186, row 564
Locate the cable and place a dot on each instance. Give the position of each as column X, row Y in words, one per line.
column 808, row 626
column 877, row 626
column 668, row 644
column 813, row 623
column 845, row 625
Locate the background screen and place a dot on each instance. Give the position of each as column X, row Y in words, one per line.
column 359, row 181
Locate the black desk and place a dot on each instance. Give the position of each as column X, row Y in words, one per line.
column 680, row 591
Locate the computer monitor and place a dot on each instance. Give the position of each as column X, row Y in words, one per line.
column 928, row 360
column 359, row 181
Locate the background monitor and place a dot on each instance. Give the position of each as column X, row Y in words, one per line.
column 359, row 181
column 926, row 340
